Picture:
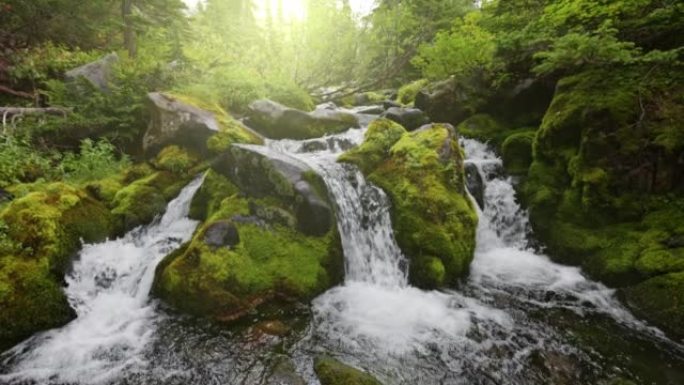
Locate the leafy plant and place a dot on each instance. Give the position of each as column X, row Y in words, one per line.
column 96, row 160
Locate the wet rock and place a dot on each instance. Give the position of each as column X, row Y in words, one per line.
column 175, row 122
column 273, row 328
column 332, row 372
column 410, row 118
column 275, row 121
column 387, row 104
column 98, row 73
column 449, row 101
column 475, row 183
column 260, row 172
column 374, row 110
column 284, row 373
column 221, row 234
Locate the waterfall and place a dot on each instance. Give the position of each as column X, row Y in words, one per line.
column 109, row 289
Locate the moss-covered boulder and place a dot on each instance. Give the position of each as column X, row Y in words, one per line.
column 261, row 172
column 202, row 127
column 485, row 128
column 516, row 152
column 433, row 218
column 275, row 121
column 332, row 372
column 39, row 233
column 262, row 258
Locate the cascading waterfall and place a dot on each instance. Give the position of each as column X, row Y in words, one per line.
column 506, row 323
column 109, row 289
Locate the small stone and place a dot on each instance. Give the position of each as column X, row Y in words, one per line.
column 222, row 234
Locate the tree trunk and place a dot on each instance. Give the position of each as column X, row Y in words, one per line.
column 129, row 32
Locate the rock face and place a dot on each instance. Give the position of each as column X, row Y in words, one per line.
column 410, row 118
column 423, row 174
column 268, row 235
column 276, row 121
column 98, row 73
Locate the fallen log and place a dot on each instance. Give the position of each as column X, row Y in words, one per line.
column 18, row 112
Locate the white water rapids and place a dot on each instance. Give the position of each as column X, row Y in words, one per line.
column 489, row 331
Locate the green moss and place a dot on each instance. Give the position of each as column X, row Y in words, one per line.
column 332, row 372
column 142, row 200
column 175, row 159
column 41, row 231
column 516, row 152
column 407, row 94
column 208, row 198
column 381, row 135
column 661, row 301
column 30, row 299
column 431, row 213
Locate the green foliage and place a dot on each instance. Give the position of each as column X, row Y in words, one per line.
column 96, row 160
column 21, row 162
column 465, row 50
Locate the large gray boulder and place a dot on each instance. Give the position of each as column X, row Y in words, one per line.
column 275, row 121
column 99, row 72
column 175, row 122
column 410, row 118
column 260, row 172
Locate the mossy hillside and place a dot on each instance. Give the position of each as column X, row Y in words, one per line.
column 272, row 259
column 332, row 372
column 433, row 218
column 604, row 188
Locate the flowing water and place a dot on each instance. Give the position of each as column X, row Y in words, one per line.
column 519, row 318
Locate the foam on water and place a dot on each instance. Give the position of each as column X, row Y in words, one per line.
column 109, row 289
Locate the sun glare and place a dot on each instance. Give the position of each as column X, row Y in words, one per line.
column 291, row 9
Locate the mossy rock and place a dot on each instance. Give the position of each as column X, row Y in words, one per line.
column 516, row 152
column 30, row 298
column 660, row 300
column 42, row 230
column 407, row 93
column 271, row 260
column 433, row 218
column 332, row 372
column 201, row 127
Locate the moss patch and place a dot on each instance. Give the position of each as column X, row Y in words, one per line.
column 433, row 219
column 407, row 94
column 332, row 372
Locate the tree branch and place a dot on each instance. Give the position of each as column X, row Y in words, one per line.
column 19, row 94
